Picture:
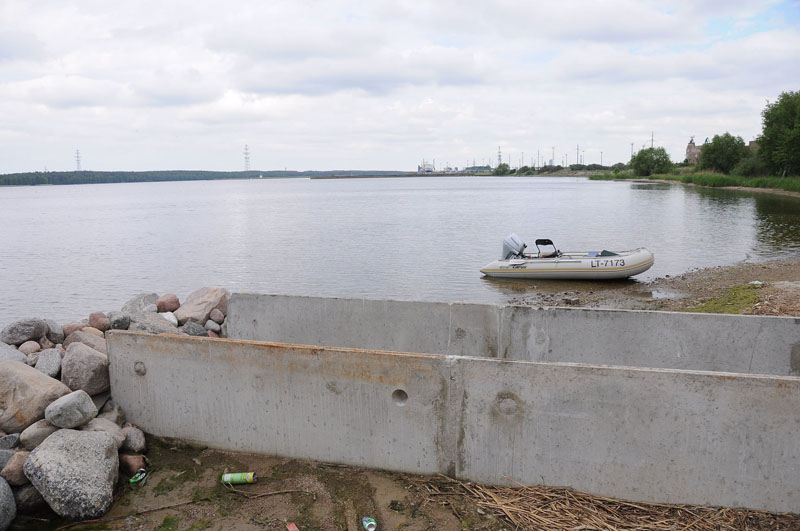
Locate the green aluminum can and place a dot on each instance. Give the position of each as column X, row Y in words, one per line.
column 239, row 478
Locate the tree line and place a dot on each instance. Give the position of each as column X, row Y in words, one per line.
column 98, row 177
column 777, row 150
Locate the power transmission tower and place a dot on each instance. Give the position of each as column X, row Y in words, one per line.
column 246, row 158
column 77, row 160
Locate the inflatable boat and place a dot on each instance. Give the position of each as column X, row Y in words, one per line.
column 585, row 265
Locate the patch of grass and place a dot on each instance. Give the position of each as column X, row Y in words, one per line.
column 170, row 523
column 199, row 525
column 736, row 300
column 711, row 179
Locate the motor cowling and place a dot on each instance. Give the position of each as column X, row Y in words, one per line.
column 512, row 246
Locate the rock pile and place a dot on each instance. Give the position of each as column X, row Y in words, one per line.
column 63, row 440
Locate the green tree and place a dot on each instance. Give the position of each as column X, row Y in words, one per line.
column 651, row 160
column 779, row 143
column 723, row 153
column 502, row 169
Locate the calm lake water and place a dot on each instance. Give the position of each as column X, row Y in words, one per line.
column 71, row 250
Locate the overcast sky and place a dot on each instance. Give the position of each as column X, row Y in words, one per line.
column 378, row 84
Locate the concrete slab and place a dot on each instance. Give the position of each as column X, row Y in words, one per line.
column 642, row 434
column 730, row 343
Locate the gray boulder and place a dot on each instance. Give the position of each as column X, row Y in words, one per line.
column 105, row 425
column 10, row 353
column 49, row 362
column 119, row 320
column 198, row 305
column 213, row 326
column 71, row 411
column 194, row 329
column 139, row 302
column 5, row 455
column 36, row 433
column 24, row 395
column 24, row 330
column 85, row 368
column 75, row 471
column 152, row 323
column 9, row 441
column 134, row 440
column 87, row 338
column 54, row 332
column 8, row 507
column 28, row 500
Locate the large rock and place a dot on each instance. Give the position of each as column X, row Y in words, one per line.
column 24, row 395
column 7, row 442
column 75, row 471
column 10, row 353
column 119, row 320
column 29, row 347
column 139, row 302
column 92, row 330
column 71, row 411
column 85, row 368
column 24, row 330
column 54, row 332
column 194, row 329
column 212, row 326
column 169, row 316
column 49, row 362
column 100, row 424
column 46, row 343
column 8, row 507
column 96, row 342
column 198, row 305
column 36, row 433
column 168, row 303
column 134, row 440
column 152, row 323
column 12, row 472
column 216, row 316
column 100, row 321
column 29, row 500
column 71, row 328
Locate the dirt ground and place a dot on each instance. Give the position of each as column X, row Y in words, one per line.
column 775, row 291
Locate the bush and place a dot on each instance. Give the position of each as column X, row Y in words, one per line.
column 722, row 153
column 502, row 169
column 651, row 160
column 750, row 166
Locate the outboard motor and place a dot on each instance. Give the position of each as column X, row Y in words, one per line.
column 512, row 246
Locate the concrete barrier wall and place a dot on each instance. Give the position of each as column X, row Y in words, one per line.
column 641, row 434
column 731, row 343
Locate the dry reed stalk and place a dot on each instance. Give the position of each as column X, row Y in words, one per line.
column 540, row 507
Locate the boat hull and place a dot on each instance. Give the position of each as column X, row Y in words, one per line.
column 574, row 266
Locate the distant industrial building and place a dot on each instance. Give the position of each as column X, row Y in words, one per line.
column 426, row 167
